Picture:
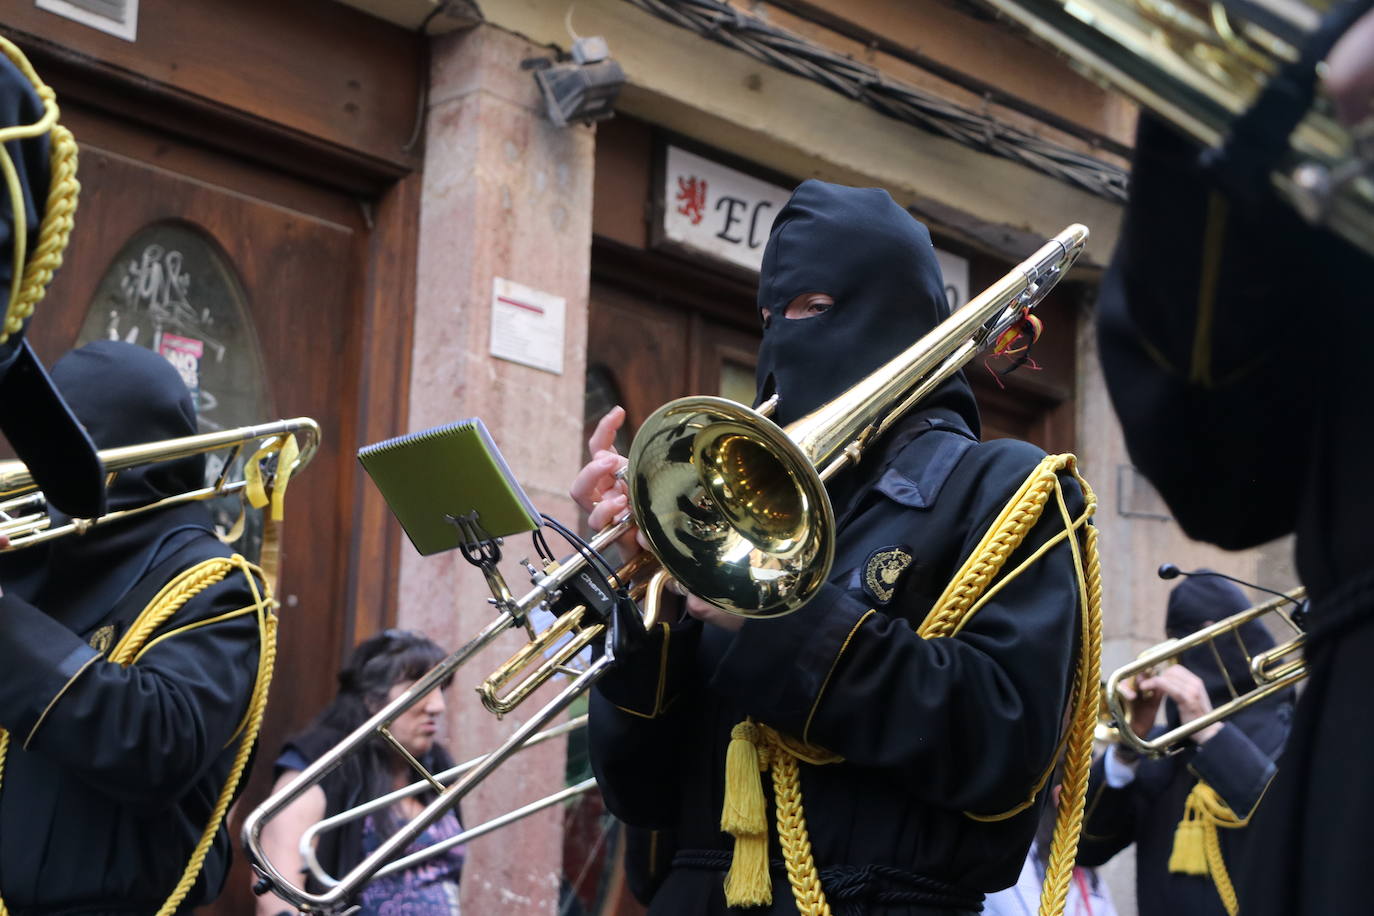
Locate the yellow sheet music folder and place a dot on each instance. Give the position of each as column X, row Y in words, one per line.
column 450, row 470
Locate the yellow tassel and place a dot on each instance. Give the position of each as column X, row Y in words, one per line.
column 743, row 812
column 748, row 882
column 1189, row 856
column 744, row 816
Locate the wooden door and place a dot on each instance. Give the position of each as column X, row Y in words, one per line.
column 650, row 339
column 644, row 350
column 294, row 254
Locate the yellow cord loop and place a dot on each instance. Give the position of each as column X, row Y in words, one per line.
column 262, row 493
column 755, row 748
column 1197, row 844
column 127, row 651
column 31, row 275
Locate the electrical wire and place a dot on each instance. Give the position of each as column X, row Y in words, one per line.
column 867, row 85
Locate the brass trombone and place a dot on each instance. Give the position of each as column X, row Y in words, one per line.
column 381, row 803
column 732, row 506
column 24, row 515
column 1273, row 670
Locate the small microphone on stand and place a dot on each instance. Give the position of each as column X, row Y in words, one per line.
column 1171, row 571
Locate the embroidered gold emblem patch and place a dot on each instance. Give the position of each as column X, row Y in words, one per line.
column 884, row 568
column 102, row 638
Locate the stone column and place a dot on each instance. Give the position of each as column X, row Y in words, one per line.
column 506, row 194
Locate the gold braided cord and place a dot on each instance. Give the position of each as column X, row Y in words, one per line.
column 1203, row 813
column 31, row 275
column 167, row 602
column 966, row 593
column 1068, row 825
column 795, row 840
column 257, row 705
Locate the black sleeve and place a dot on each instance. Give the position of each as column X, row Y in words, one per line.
column 1236, row 768
column 142, row 734
column 1207, row 324
column 971, row 721
column 636, row 715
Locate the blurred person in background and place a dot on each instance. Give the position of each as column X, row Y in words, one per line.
column 1088, row 894
column 1174, row 808
column 379, row 670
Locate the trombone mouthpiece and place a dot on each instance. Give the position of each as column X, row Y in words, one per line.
column 1169, row 571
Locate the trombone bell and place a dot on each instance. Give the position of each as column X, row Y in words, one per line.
column 730, row 505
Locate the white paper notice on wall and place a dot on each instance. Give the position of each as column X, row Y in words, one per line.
column 527, row 325
column 116, row 17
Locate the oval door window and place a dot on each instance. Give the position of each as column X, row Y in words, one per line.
column 172, row 289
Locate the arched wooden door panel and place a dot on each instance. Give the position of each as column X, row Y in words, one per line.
column 297, row 271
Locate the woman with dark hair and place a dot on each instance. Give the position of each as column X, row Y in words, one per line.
column 379, row 670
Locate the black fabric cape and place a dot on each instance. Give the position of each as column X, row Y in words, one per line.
column 1246, row 407
column 112, row 772
column 928, row 728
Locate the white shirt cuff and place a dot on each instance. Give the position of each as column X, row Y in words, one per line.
column 1119, row 773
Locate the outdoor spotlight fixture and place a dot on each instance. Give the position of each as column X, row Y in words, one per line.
column 583, row 88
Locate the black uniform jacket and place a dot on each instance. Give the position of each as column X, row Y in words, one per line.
column 928, row 729
column 1238, row 762
column 112, row 772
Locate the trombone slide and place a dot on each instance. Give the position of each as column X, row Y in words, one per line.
column 310, row 837
column 24, row 518
column 1269, row 677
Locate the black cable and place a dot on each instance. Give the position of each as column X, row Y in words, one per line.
column 591, row 556
column 867, row 85
column 541, row 545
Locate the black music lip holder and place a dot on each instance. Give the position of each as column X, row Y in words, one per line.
column 483, row 550
column 479, row 547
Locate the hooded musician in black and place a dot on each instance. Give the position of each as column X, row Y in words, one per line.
column 1233, row 341
column 1145, row 801
column 930, row 731
column 112, row 770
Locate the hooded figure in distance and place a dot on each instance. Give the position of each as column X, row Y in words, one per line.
column 1146, row 801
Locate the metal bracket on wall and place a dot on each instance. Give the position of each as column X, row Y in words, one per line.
column 1136, row 497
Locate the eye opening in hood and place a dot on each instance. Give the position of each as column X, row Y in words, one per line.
column 808, row 305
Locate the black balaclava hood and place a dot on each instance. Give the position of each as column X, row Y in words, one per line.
column 1198, row 600
column 124, row 395
column 878, row 264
